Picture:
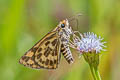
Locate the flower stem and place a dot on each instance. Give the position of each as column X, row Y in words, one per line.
column 95, row 73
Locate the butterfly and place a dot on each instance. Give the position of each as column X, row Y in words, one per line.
column 46, row 53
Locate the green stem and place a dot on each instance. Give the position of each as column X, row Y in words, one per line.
column 95, row 73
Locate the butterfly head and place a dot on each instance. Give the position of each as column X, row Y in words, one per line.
column 65, row 27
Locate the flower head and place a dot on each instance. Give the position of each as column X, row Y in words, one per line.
column 89, row 42
column 89, row 45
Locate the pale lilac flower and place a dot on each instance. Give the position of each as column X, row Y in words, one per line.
column 89, row 42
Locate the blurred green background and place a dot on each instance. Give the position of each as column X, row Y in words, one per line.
column 24, row 22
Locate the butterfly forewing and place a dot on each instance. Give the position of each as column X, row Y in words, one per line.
column 44, row 54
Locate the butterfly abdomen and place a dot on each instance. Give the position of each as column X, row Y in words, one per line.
column 67, row 53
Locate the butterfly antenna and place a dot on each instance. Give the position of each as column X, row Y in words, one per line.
column 75, row 18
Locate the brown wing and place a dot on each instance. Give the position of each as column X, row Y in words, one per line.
column 44, row 54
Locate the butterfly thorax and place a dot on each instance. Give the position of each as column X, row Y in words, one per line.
column 65, row 34
column 65, row 31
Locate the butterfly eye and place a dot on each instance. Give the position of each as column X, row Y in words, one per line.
column 62, row 25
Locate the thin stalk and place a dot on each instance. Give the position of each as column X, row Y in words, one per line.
column 97, row 74
column 93, row 72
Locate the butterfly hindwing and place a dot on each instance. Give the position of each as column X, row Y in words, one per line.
column 44, row 54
